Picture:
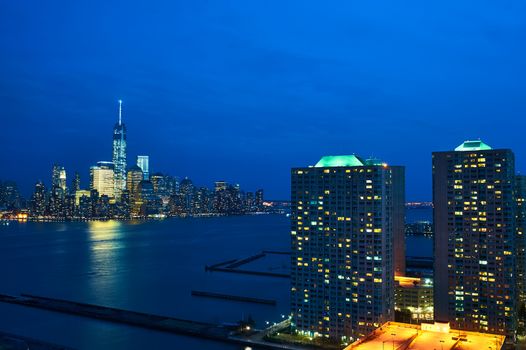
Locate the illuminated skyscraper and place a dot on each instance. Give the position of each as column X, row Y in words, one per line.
column 343, row 230
column 119, row 155
column 102, row 179
column 134, row 178
column 474, row 241
column 58, row 178
column 143, row 163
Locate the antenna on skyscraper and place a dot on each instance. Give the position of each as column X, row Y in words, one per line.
column 120, row 112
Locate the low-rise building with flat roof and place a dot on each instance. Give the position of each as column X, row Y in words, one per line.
column 415, row 296
column 427, row 336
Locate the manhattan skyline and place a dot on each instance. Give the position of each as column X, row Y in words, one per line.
column 245, row 91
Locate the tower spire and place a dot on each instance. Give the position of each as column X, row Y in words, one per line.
column 120, row 112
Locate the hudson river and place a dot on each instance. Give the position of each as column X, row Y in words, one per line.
column 145, row 266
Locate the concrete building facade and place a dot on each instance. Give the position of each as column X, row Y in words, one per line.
column 343, row 231
column 474, row 243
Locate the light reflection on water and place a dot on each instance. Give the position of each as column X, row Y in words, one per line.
column 105, row 235
column 101, row 230
column 105, row 258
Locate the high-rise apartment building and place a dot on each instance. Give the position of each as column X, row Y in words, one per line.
column 343, row 230
column 143, row 163
column 119, row 156
column 474, row 241
column 520, row 197
column 102, row 179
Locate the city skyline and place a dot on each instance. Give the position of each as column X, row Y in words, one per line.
column 243, row 85
column 263, row 174
column 117, row 191
column 26, row 190
column 119, row 155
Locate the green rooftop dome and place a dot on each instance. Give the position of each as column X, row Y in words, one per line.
column 473, row 146
column 339, row 161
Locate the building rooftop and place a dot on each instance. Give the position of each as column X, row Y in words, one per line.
column 436, row 336
column 477, row 145
column 339, row 161
column 347, row 161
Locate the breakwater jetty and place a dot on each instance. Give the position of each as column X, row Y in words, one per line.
column 140, row 319
column 237, row 334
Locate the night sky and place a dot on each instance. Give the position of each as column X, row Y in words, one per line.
column 245, row 90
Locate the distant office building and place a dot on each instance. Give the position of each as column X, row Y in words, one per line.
column 122, row 208
column 228, row 200
column 520, row 190
column 186, row 194
column 172, row 185
column 58, row 178
column 259, row 199
column 249, row 201
column 9, row 195
column 202, row 201
column 119, row 156
column 69, row 206
column 159, row 184
column 79, row 194
column 343, row 231
column 76, row 183
column 150, row 202
column 415, row 297
column 102, row 179
column 220, row 186
column 57, row 202
column 103, row 207
column 38, row 200
column 143, row 163
column 134, row 178
column 474, row 240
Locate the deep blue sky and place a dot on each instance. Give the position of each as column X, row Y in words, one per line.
column 245, row 90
